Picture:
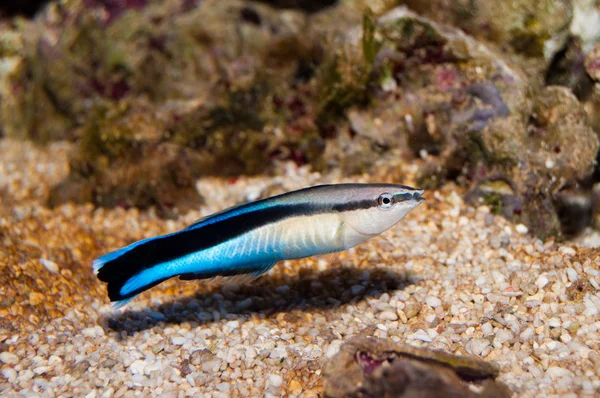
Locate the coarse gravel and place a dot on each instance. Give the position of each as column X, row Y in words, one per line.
column 449, row 276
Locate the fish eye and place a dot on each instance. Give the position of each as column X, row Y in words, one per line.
column 385, row 200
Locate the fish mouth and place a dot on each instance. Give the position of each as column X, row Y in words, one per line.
column 412, row 196
column 417, row 196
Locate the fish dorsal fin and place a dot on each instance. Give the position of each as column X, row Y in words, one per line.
column 203, row 220
column 233, row 211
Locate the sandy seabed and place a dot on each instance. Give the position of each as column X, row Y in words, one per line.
column 449, row 276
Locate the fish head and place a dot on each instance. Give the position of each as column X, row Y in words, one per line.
column 383, row 206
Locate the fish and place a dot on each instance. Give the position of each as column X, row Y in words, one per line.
column 245, row 241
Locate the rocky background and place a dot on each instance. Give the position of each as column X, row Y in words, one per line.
column 501, row 97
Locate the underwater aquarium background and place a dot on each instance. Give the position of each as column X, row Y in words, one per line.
column 122, row 120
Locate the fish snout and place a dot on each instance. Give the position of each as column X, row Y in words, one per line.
column 417, row 195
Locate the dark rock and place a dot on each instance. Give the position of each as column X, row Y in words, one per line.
column 567, row 69
column 27, row 8
column 371, row 367
column 575, row 210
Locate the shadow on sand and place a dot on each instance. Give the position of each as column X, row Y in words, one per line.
column 265, row 297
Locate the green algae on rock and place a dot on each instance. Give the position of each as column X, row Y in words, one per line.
column 345, row 74
column 541, row 158
column 532, row 28
column 478, row 119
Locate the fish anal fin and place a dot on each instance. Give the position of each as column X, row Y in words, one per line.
column 241, row 279
column 331, row 258
column 240, row 276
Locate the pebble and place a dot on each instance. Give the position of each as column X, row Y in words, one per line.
column 476, row 346
column 158, row 347
column 95, row 331
column 211, row 366
column 151, row 367
column 558, row 372
column 522, row 229
column 199, row 357
column 454, row 199
column 138, row 380
column 223, row 386
column 421, row 335
column 275, row 380
column 388, row 316
column 333, row 348
column 568, row 251
column 49, row 265
column 357, row 289
column 41, row 370
column 36, row 298
column 412, row 309
column 244, row 304
column 278, row 353
column 9, row 358
column 10, row 374
column 541, row 281
column 572, row 275
column 553, row 322
column 137, row 367
column 178, row 341
column 501, row 337
column 433, row 301
column 295, row 387
column 26, row 375
column 495, row 242
column 487, row 328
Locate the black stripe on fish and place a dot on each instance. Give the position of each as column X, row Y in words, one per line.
column 282, row 199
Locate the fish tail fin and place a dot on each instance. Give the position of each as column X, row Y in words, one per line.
column 121, row 303
column 130, row 271
column 138, row 267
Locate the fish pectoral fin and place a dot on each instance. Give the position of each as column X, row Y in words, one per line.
column 338, row 237
column 347, row 236
column 386, row 242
